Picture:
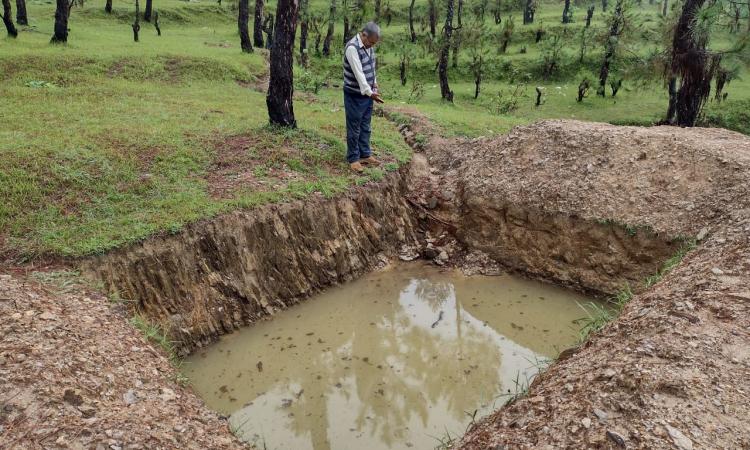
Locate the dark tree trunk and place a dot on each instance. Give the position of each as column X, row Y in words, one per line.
column 281, row 84
column 156, row 23
column 147, row 11
column 432, row 13
column 62, row 11
column 615, row 85
column 136, row 24
column 108, row 7
column 672, row 106
column 268, row 28
column 445, row 90
column 722, row 78
column 411, row 22
column 539, row 35
column 329, row 32
column 402, row 69
column 497, row 12
column 303, row 32
column 476, row 68
column 566, row 12
column 347, row 31
column 664, row 6
column 258, row 24
column 243, row 16
column 538, row 96
column 457, row 36
column 691, row 63
column 589, row 15
column 583, row 90
column 604, row 5
column 21, row 17
column 8, row 19
column 528, row 12
column 615, row 29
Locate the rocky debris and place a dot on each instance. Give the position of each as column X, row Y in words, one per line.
column 87, row 378
column 680, row 440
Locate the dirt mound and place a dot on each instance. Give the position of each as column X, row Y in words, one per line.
column 673, row 371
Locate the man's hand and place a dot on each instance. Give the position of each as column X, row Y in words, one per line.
column 376, row 97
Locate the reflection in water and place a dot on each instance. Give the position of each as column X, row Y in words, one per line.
column 390, row 361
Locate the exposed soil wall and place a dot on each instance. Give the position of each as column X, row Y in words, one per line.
column 598, row 257
column 221, row 274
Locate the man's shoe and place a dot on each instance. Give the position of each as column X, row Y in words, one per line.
column 357, row 167
column 370, row 160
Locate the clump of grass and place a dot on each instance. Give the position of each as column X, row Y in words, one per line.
column 688, row 244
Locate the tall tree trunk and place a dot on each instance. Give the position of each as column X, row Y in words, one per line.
column 136, row 23
column 147, row 11
column 691, row 63
column 303, row 31
column 108, row 7
column 589, row 15
column 604, row 5
column 411, row 22
column 432, row 12
column 8, row 19
column 269, row 30
column 329, row 32
column 566, row 12
column 156, row 23
column 62, row 11
column 496, row 12
column 615, row 29
column 664, row 6
column 281, row 84
column 258, row 24
column 672, row 106
column 21, row 17
column 457, row 37
column 528, row 12
column 445, row 90
column 243, row 16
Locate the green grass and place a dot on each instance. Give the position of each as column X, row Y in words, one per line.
column 105, row 141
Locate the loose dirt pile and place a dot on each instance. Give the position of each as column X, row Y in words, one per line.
column 74, row 374
column 673, row 371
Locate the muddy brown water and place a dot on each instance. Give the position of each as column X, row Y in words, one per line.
column 395, row 360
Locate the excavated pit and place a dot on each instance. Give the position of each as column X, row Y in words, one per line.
column 586, row 232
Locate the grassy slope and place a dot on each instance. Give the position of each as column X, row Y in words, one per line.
column 119, row 146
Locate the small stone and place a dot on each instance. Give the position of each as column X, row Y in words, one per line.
column 601, row 415
column 702, row 234
column 432, row 202
column 586, row 422
column 616, row 437
column 20, row 357
column 443, row 256
column 717, row 271
column 129, row 397
column 47, row 316
column 680, row 440
column 609, row 373
column 87, row 412
column 73, row 397
column 167, row 394
column 286, row 402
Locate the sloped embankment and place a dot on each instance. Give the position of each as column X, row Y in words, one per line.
column 227, row 272
column 673, row 369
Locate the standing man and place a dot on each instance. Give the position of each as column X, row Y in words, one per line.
column 360, row 90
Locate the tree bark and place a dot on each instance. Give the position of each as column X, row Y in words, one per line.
column 258, row 24
column 411, row 22
column 457, row 36
column 281, row 83
column 615, row 29
column 62, row 11
column 432, row 12
column 269, row 30
column 243, row 16
column 136, row 24
column 21, row 16
column 156, row 23
column 108, row 7
column 664, row 5
column 528, row 12
column 690, row 62
column 445, row 90
column 147, row 10
column 566, row 12
column 303, row 31
column 589, row 15
column 329, row 32
column 8, row 19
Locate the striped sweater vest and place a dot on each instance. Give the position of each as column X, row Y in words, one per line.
column 368, row 67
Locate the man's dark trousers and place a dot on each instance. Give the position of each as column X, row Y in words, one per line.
column 358, row 116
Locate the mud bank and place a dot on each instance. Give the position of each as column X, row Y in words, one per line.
column 224, row 273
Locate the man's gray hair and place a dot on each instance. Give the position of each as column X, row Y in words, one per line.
column 371, row 29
